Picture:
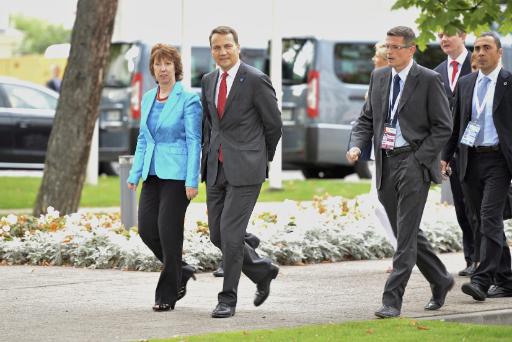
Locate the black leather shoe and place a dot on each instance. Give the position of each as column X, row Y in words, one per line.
column 187, row 272
column 223, row 310
column 163, row 307
column 474, row 290
column 496, row 291
column 263, row 288
column 219, row 272
column 439, row 296
column 387, row 311
column 468, row 271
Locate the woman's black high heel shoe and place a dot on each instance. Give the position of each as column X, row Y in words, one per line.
column 163, row 307
column 187, row 272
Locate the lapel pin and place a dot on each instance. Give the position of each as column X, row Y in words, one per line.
column 242, row 79
column 505, row 83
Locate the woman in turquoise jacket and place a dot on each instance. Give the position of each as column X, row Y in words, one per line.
column 167, row 160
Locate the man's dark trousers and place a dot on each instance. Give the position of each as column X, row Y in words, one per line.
column 487, row 182
column 229, row 211
column 403, row 193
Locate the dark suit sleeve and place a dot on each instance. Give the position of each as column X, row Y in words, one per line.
column 205, row 128
column 265, row 102
column 440, row 119
column 362, row 132
column 451, row 146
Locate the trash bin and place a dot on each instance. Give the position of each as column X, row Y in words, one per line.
column 128, row 197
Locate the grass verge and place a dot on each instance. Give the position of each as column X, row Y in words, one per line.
column 402, row 329
column 21, row 192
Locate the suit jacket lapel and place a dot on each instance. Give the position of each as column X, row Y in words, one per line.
column 237, row 84
column 466, row 66
column 444, row 76
column 501, row 85
column 386, row 85
column 212, row 92
column 409, row 86
column 145, row 109
column 469, row 97
column 169, row 104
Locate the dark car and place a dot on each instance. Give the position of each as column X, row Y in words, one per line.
column 26, row 118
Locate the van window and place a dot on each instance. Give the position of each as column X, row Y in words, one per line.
column 298, row 57
column 431, row 57
column 353, row 62
column 256, row 58
column 121, row 64
column 202, row 63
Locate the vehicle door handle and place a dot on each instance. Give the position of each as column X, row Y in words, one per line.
column 356, row 97
column 23, row 124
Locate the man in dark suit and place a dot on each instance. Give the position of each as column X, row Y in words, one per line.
column 408, row 114
column 242, row 126
column 458, row 64
column 482, row 134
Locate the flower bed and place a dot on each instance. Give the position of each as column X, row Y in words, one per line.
column 326, row 229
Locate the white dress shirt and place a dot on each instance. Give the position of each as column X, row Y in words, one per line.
column 400, row 141
column 489, row 130
column 460, row 60
column 229, row 80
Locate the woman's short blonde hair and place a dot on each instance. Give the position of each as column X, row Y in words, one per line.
column 380, row 50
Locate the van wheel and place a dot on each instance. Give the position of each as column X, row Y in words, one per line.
column 109, row 168
column 362, row 170
column 327, row 172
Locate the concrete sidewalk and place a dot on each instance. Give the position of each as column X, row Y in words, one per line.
column 69, row 304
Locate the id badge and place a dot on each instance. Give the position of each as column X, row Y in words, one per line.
column 389, row 138
column 470, row 134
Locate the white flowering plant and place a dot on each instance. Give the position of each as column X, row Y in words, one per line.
column 326, row 229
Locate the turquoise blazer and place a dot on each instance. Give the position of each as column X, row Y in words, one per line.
column 176, row 146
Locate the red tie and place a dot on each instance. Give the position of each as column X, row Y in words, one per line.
column 221, row 103
column 455, row 69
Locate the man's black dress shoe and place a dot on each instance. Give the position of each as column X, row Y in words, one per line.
column 469, row 271
column 496, row 291
column 474, row 290
column 223, row 310
column 163, row 307
column 263, row 288
column 219, row 272
column 387, row 311
column 439, row 296
column 187, row 272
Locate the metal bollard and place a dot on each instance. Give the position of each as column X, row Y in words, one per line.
column 128, row 197
column 446, row 192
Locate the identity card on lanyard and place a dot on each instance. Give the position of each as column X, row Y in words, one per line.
column 389, row 136
column 473, row 128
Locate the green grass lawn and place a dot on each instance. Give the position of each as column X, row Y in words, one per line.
column 20, row 192
column 377, row 330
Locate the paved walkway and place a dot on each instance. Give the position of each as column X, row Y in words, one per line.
column 69, row 304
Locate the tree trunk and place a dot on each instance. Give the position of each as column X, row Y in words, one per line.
column 77, row 110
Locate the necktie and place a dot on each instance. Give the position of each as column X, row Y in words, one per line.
column 221, row 103
column 455, row 69
column 221, row 97
column 481, row 91
column 396, row 90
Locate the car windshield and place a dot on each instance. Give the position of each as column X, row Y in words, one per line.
column 297, row 60
column 121, row 64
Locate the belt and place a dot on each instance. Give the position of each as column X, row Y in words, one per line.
column 485, row 149
column 397, row 150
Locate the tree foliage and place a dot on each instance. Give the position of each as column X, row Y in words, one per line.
column 38, row 34
column 472, row 16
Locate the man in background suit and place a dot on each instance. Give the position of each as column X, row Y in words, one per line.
column 482, row 134
column 408, row 115
column 458, row 64
column 242, row 126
